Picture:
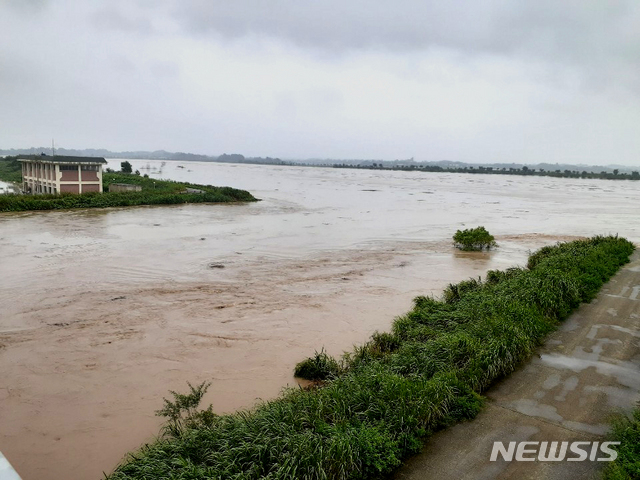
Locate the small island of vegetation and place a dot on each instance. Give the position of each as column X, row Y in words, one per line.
column 153, row 192
column 375, row 406
column 474, row 239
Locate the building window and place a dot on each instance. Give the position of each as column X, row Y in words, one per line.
column 68, row 167
column 89, row 168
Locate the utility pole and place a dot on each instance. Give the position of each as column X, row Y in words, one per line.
column 53, row 149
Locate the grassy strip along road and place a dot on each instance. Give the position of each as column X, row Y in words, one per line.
column 373, row 408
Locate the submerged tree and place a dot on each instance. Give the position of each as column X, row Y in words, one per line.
column 125, row 167
column 474, row 239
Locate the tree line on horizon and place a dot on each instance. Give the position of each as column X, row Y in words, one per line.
column 524, row 170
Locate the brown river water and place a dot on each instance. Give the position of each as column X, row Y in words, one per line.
column 103, row 311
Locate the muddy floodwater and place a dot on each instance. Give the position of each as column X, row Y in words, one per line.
column 103, row 311
column 6, row 188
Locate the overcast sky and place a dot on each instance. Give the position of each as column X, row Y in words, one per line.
column 500, row 81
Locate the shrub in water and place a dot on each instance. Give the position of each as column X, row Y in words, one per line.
column 474, row 239
column 319, row 367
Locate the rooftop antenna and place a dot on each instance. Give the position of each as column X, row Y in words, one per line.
column 53, row 149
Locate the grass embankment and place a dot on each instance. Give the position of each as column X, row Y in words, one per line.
column 378, row 403
column 153, row 192
column 626, row 431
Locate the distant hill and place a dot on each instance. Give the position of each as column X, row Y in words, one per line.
column 238, row 158
column 101, row 152
column 145, row 155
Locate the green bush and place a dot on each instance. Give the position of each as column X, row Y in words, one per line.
column 125, row 167
column 474, row 239
column 395, row 390
column 319, row 367
column 627, row 465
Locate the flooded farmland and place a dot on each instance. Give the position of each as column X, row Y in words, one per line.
column 103, row 311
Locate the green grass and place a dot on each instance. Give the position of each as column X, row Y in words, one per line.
column 319, row 367
column 626, row 466
column 154, row 192
column 380, row 401
column 473, row 239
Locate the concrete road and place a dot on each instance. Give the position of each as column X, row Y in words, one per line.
column 588, row 369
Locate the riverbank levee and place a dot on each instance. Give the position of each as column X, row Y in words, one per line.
column 105, row 310
column 585, row 372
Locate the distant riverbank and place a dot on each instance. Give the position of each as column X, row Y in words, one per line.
column 557, row 170
column 154, row 192
column 524, row 171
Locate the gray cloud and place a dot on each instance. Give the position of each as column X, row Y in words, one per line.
column 111, row 18
column 27, row 6
column 474, row 81
column 569, row 29
column 600, row 37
